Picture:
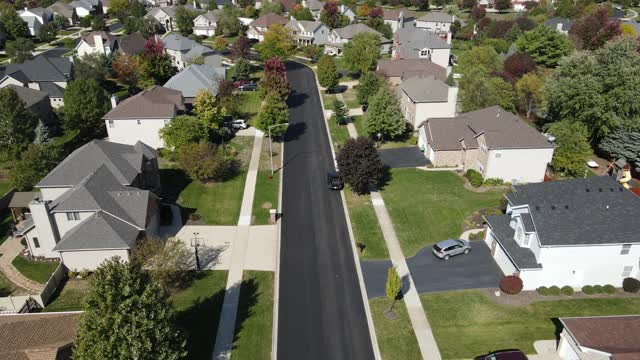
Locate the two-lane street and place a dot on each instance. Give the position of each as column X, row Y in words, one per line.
column 321, row 312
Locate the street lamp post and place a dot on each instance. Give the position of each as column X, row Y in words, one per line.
column 195, row 242
column 270, row 142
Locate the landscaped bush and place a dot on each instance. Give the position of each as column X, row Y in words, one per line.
column 597, row 289
column 554, row 290
column 609, row 289
column 474, row 177
column 511, row 284
column 494, row 182
column 543, row 290
column 631, row 285
column 477, row 236
column 588, row 289
column 567, row 290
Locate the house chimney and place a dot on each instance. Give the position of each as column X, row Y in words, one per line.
column 98, row 43
column 114, row 101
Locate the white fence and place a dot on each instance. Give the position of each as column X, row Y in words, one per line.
column 27, row 303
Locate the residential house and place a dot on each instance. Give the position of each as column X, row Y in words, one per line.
column 600, row 338
column 37, row 102
column 573, row 232
column 131, row 44
column 64, row 10
column 308, row 32
column 426, row 97
column 562, row 25
column 159, row 3
column 338, row 38
column 95, row 205
column 35, row 18
column 38, row 336
column 493, row 141
column 183, row 50
column 520, row 5
column 399, row 18
column 259, row 26
column 315, row 6
column 397, row 70
column 87, row 7
column 46, row 73
column 205, row 24
column 438, row 23
column 287, row 5
column 195, row 78
column 97, row 42
column 486, row 4
column 165, row 15
column 348, row 12
column 141, row 117
column 416, row 43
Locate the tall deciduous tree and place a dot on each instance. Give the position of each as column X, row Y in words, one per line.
column 361, row 54
column 156, row 67
column 184, row 129
column 126, row 68
column 228, row 22
column 12, row 23
column 301, row 13
column 331, row 16
column 479, row 90
column 242, row 69
column 384, row 115
column 274, row 111
column 184, row 20
column 204, row 161
column 208, row 109
column 85, row 103
column 545, row 45
column 127, row 315
column 35, row 162
column 393, row 286
column 278, row 42
column 502, row 5
column 240, row 48
column 529, row 89
column 17, row 123
column 573, row 147
column 19, row 50
column 484, row 58
column 48, row 32
column 275, row 81
column 369, row 85
column 328, row 72
column 360, row 165
column 95, row 66
column 594, row 30
column 271, row 7
column 519, row 64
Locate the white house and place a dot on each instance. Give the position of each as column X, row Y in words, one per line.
column 416, row 43
column 426, row 97
column 205, row 24
column 438, row 23
column 492, row 141
column 166, row 16
column 95, row 205
column 183, row 50
column 97, row 42
column 346, row 11
column 87, row 7
column 35, row 18
column 338, row 38
column 142, row 116
column 568, row 233
column 62, row 9
column 308, row 32
column 600, row 338
column 259, row 26
column 398, row 18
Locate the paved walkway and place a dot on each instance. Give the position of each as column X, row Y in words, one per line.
column 226, row 327
column 9, row 250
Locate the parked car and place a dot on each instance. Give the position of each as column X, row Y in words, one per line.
column 238, row 124
column 251, row 86
column 504, row 355
column 237, row 84
column 448, row 248
column 334, row 181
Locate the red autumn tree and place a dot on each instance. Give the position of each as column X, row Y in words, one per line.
column 478, row 13
column 153, row 47
column 375, row 13
column 275, row 79
column 592, row 31
column 240, row 48
column 519, row 64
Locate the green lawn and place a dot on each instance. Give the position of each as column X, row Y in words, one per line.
column 350, row 99
column 250, row 103
column 266, row 192
column 430, row 206
column 38, row 271
column 70, row 297
column 254, row 322
column 478, row 325
column 216, row 203
column 339, row 134
column 366, row 229
column 396, row 338
column 327, row 99
column 359, row 121
column 5, row 186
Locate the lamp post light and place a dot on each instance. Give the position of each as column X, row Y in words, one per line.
column 271, row 142
column 195, row 243
column 379, row 139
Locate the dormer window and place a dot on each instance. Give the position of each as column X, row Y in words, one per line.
column 425, row 53
column 73, row 216
column 519, row 234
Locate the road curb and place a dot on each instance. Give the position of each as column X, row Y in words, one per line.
column 276, row 284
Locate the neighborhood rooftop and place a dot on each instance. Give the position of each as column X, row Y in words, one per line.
column 196, row 78
column 425, row 89
column 437, row 16
column 406, row 68
column 156, row 102
column 349, row 31
column 615, row 335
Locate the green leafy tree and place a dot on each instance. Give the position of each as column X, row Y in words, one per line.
column 384, row 115
column 48, row 32
column 328, row 72
column 184, row 129
column 278, row 42
column 340, row 113
column 85, row 103
column 301, row 13
column 127, row 315
column 19, row 50
column 208, row 109
column 228, row 21
column 274, row 111
column 479, row 90
column 573, row 147
column 85, row 21
column 369, row 85
column 623, row 143
column 361, row 54
column 170, row 261
column 12, row 23
column 155, row 64
column 98, row 24
column 503, row 5
column 393, row 286
column 126, row 69
column 219, row 43
column 184, row 20
column 117, row 7
column 34, row 164
column 483, row 58
column 204, row 161
column 360, row 165
column 17, row 123
column 242, row 69
column 268, row 7
column 529, row 89
column 545, row 45
column 95, row 66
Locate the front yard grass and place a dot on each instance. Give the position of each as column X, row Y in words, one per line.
column 350, row 99
column 396, row 338
column 327, row 99
column 250, row 102
column 266, row 193
column 430, row 206
column 5, row 186
column 38, row 271
column 339, row 134
column 477, row 325
column 366, row 229
column 252, row 339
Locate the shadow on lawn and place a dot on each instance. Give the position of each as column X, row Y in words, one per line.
column 249, row 290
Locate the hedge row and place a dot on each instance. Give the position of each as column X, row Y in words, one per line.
column 568, row 290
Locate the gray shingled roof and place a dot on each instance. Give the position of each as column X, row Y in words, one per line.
column 169, row 10
column 501, row 129
column 155, row 102
column 99, row 231
column 394, row 14
column 590, row 211
column 349, row 31
column 195, row 78
column 527, row 222
column 411, row 40
column 212, row 16
column 52, row 89
column 124, row 161
column 42, row 68
column 29, row 96
column 553, row 23
column 107, row 39
column 62, row 8
column 522, row 257
column 425, row 89
column 437, row 16
column 315, row 5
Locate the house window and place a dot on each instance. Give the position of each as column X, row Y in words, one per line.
column 111, row 124
column 483, row 148
column 625, row 249
column 626, row 272
column 498, row 155
column 138, row 121
column 480, row 167
column 519, row 234
column 73, row 216
column 425, row 53
column 36, row 243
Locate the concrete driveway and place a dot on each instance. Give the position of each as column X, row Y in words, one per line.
column 404, row 157
column 473, row 271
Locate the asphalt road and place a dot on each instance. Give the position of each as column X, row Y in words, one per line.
column 321, row 313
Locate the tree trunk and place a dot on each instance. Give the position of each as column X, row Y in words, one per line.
column 393, row 303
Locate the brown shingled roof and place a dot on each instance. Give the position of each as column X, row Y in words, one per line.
column 393, row 14
column 269, row 19
column 406, row 68
column 156, row 102
column 616, row 335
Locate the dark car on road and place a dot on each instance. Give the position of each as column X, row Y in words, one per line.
column 503, row 355
column 334, row 181
column 250, row 86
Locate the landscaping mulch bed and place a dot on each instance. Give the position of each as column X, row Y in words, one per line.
column 528, row 297
column 476, row 219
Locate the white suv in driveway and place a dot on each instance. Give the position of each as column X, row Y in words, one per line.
column 239, row 124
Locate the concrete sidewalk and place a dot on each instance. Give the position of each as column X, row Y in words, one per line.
column 9, row 250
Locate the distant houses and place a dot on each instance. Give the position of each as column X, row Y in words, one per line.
column 417, row 43
column 259, row 26
column 338, row 38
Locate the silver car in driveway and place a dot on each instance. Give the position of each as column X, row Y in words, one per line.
column 448, row 248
